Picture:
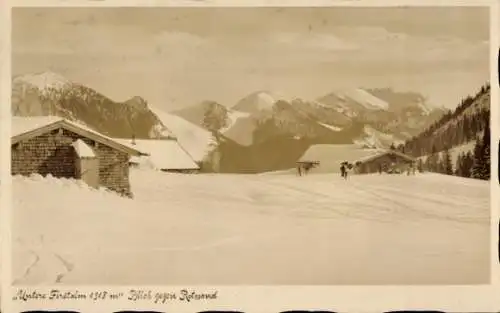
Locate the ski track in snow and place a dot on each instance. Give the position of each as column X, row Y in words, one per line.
column 67, row 266
column 27, row 271
column 179, row 225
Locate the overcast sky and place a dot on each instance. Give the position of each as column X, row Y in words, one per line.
column 177, row 57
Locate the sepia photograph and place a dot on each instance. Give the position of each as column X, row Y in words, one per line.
column 251, row 146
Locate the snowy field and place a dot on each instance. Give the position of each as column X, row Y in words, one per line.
column 253, row 229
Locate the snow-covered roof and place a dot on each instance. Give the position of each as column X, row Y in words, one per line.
column 82, row 149
column 164, row 154
column 385, row 151
column 22, row 125
column 336, row 154
column 195, row 139
column 29, row 127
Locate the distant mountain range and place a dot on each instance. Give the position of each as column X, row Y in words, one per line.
column 264, row 131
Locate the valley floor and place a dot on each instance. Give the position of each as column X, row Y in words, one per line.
column 253, row 229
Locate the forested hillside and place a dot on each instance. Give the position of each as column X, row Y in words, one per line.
column 469, row 122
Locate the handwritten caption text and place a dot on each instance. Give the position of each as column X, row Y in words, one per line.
column 134, row 295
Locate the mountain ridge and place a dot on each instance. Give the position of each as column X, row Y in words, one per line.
column 51, row 94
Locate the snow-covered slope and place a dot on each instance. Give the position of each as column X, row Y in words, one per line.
column 455, row 152
column 238, row 126
column 366, row 99
column 331, row 127
column 215, row 229
column 233, row 117
column 377, row 139
column 197, row 141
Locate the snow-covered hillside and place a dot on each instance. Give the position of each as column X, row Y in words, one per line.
column 232, row 119
column 377, row 139
column 456, row 151
column 198, row 142
column 253, row 229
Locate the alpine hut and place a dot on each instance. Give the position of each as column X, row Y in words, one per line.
column 327, row 158
column 62, row 148
column 386, row 160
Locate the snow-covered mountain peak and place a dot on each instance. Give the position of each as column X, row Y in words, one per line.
column 274, row 95
column 44, row 80
column 137, row 102
column 262, row 100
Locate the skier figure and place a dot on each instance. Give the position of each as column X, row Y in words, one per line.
column 346, row 170
column 342, row 170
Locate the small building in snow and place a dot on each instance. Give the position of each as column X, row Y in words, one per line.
column 161, row 154
column 388, row 161
column 327, row 158
column 53, row 145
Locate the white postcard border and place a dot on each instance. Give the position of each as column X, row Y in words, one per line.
column 259, row 298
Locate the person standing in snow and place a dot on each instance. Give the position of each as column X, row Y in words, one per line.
column 342, row 170
column 307, row 167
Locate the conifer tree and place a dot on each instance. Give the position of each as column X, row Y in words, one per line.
column 459, row 166
column 447, row 167
column 433, row 160
column 486, row 168
column 478, row 160
column 481, row 164
column 467, row 164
